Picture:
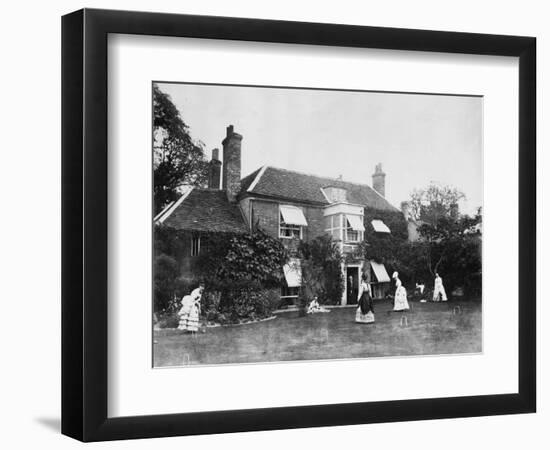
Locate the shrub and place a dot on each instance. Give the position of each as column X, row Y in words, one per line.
column 271, row 302
column 168, row 320
column 184, row 286
column 165, row 272
column 321, row 271
column 241, row 258
column 210, row 303
column 243, row 303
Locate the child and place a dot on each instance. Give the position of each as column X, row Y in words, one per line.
column 314, row 307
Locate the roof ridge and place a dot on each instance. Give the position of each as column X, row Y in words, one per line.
column 321, row 176
column 352, row 184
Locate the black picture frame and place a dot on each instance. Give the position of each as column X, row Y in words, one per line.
column 84, row 224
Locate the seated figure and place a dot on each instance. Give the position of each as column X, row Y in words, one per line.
column 315, row 307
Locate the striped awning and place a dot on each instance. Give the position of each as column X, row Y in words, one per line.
column 380, row 272
column 379, row 226
column 292, row 215
column 355, row 222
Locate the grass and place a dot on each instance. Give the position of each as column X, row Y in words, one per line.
column 432, row 328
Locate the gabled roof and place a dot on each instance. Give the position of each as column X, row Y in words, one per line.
column 205, row 210
column 300, row 187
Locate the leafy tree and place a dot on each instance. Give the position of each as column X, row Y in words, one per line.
column 241, row 258
column 453, row 245
column 433, row 202
column 450, row 246
column 321, row 270
column 450, row 243
column 178, row 159
column 313, row 284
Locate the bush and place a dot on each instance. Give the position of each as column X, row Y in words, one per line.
column 321, row 272
column 242, row 258
column 184, row 286
column 168, row 320
column 242, row 304
column 165, row 272
column 271, row 302
column 210, row 303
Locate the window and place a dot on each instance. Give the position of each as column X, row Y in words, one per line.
column 290, row 292
column 352, row 235
column 289, row 295
column 354, row 229
column 195, row 245
column 290, row 231
column 333, row 226
column 291, row 221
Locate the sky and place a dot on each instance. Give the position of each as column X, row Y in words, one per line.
column 418, row 138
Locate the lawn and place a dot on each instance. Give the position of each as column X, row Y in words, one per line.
column 430, row 328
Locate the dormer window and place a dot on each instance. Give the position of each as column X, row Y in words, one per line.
column 291, row 222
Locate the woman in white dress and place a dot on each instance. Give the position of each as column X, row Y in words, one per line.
column 365, row 308
column 439, row 289
column 189, row 311
column 400, row 301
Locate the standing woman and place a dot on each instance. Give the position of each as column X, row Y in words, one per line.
column 365, row 309
column 439, row 289
column 186, row 305
column 190, row 309
column 193, row 319
column 400, row 301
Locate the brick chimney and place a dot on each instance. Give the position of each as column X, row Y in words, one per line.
column 214, row 170
column 232, row 163
column 379, row 180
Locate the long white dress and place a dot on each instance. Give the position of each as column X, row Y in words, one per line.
column 400, row 301
column 439, row 289
column 189, row 312
column 187, row 303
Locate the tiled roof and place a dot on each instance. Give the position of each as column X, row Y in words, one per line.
column 207, row 210
column 290, row 185
column 248, row 180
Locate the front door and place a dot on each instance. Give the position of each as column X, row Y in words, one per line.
column 352, row 285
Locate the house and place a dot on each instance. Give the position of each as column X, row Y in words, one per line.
column 288, row 205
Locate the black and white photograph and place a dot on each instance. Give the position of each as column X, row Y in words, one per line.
column 274, row 225
column 299, row 224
